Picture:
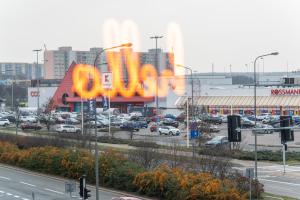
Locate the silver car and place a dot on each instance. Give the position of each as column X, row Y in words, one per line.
column 263, row 129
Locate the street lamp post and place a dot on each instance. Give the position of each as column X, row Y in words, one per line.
column 192, row 78
column 255, row 84
column 156, row 37
column 96, row 138
column 38, row 83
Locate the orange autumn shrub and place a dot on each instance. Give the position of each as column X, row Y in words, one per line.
column 172, row 184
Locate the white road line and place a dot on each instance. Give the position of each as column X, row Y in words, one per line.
column 16, row 196
column 57, row 192
column 27, row 184
column 8, row 194
column 5, row 178
column 287, row 183
column 25, row 199
column 2, row 192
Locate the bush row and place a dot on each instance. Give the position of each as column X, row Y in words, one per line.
column 118, row 172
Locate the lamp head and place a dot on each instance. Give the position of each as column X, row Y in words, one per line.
column 274, row 53
column 126, row 45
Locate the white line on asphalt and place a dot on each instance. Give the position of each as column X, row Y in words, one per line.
column 294, row 184
column 275, row 197
column 27, row 184
column 16, row 196
column 53, row 191
column 5, row 178
column 1, row 192
column 25, row 199
column 8, row 194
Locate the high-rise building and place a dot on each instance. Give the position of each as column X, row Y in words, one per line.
column 58, row 61
column 21, row 70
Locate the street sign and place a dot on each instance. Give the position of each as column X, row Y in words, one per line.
column 107, row 81
column 250, row 172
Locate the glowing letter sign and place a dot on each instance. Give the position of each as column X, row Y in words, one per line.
column 141, row 79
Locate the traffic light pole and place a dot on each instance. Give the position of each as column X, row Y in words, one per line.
column 283, row 156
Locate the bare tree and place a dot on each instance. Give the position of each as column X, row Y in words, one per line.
column 147, row 157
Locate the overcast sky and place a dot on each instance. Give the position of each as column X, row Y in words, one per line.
column 223, row 32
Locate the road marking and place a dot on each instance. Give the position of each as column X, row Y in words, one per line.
column 5, row 178
column 27, row 184
column 57, row 192
column 25, row 199
column 294, row 184
column 1, row 192
column 8, row 194
column 16, row 196
column 275, row 197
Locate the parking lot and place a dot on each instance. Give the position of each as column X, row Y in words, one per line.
column 143, row 131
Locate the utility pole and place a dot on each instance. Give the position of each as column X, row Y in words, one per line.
column 157, row 82
column 38, row 83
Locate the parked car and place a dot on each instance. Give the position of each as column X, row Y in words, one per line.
column 28, row 119
column 67, row 129
column 168, row 130
column 30, row 125
column 170, row 122
column 4, row 122
column 142, row 124
column 214, row 129
column 217, row 141
column 263, row 129
column 153, row 127
column 170, row 116
column 11, row 118
column 246, row 123
column 130, row 126
column 72, row 121
column 212, row 119
column 99, row 124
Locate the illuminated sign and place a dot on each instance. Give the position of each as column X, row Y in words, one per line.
column 144, row 80
column 278, row 92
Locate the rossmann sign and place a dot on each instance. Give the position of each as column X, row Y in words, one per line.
column 293, row 91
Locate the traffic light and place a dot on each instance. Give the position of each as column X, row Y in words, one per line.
column 286, row 134
column 81, row 186
column 234, row 128
column 87, row 193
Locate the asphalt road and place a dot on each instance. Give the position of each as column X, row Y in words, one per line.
column 277, row 182
column 16, row 184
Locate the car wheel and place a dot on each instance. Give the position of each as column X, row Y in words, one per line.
column 159, row 133
column 266, row 132
column 64, row 131
column 78, row 131
column 171, row 133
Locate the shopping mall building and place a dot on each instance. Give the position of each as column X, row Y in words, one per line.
column 237, row 99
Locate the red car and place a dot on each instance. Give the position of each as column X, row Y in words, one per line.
column 153, row 128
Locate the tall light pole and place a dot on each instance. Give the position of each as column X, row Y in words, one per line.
column 192, row 78
column 12, row 89
column 156, row 37
column 38, row 83
column 255, row 83
column 95, row 112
